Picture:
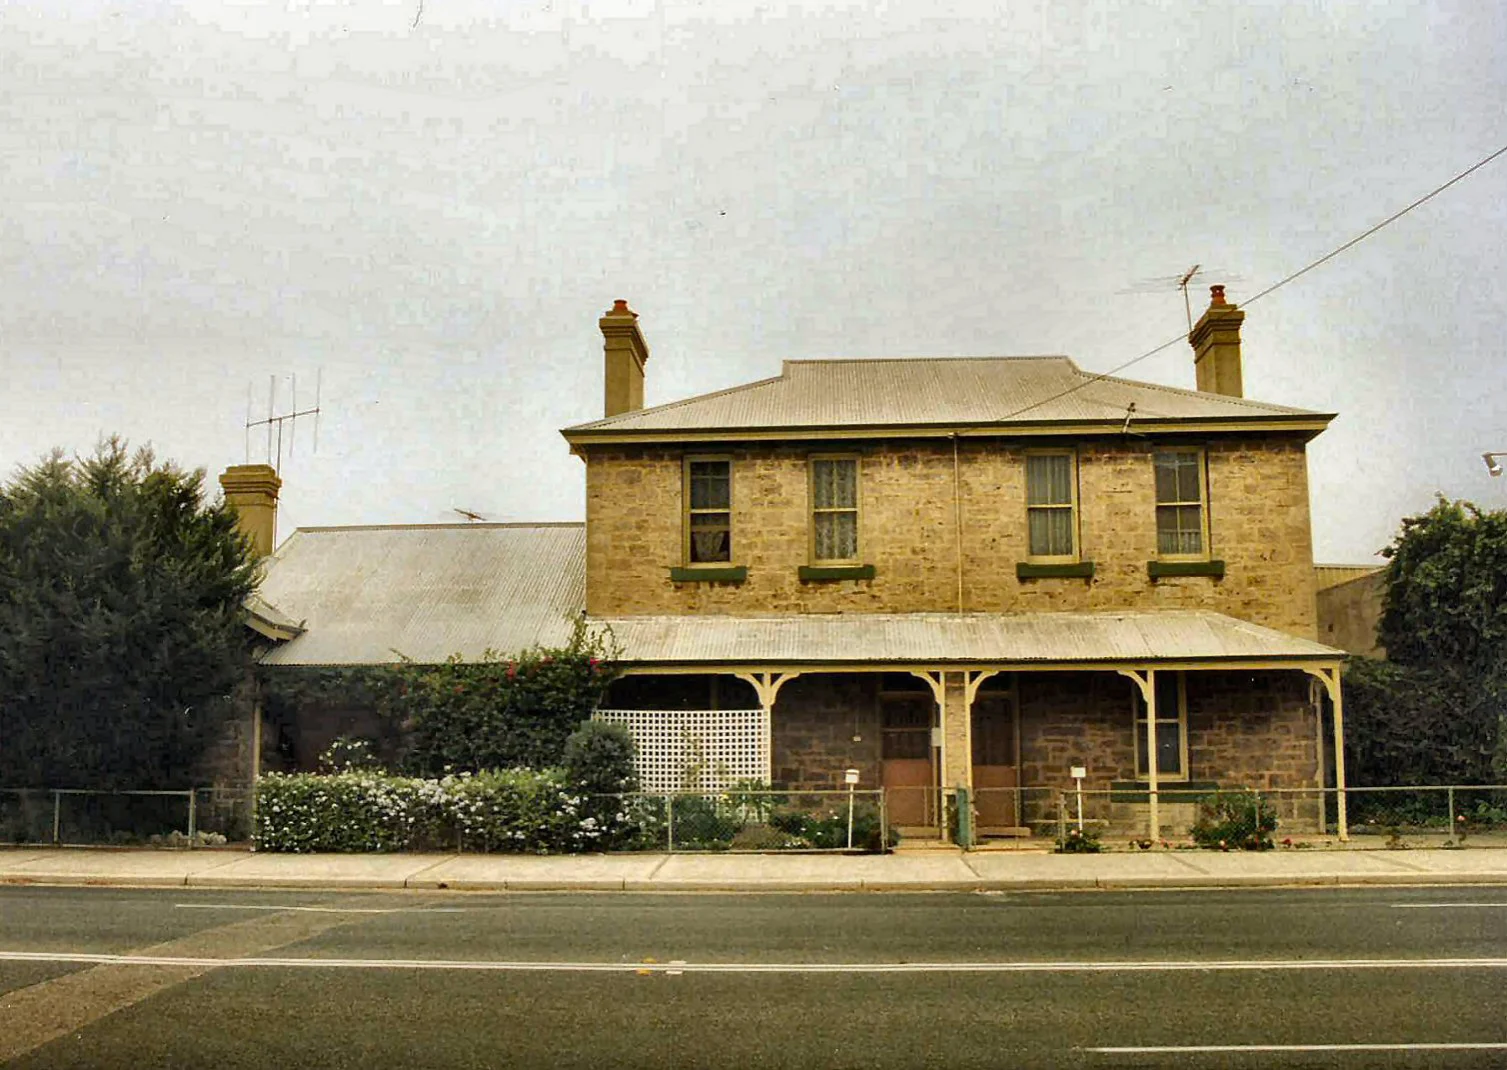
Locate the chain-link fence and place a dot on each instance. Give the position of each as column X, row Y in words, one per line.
column 1235, row 817
column 755, row 820
column 192, row 817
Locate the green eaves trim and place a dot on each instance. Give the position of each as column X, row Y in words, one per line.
column 809, row 573
column 1079, row 570
column 1158, row 569
column 729, row 574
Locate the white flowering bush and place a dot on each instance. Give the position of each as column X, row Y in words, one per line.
column 508, row 810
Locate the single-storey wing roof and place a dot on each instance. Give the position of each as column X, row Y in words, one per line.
column 383, row 594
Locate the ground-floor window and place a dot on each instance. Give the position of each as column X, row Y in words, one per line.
column 1171, row 728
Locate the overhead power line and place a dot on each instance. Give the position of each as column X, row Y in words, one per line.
column 1274, row 287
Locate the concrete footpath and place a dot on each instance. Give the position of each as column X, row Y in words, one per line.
column 919, row 871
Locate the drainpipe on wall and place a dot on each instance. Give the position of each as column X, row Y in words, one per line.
column 957, row 515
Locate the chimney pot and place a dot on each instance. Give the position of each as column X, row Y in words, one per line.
column 1216, row 295
column 620, row 308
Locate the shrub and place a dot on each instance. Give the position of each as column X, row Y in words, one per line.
column 512, row 810
column 1235, row 821
column 830, row 830
column 499, row 713
column 358, row 811
column 1079, row 842
column 705, row 821
column 599, row 758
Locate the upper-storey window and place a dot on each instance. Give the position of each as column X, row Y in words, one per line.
column 708, row 510
column 834, row 509
column 1052, row 505
column 1182, row 517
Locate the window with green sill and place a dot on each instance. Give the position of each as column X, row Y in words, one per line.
column 834, row 510
column 708, row 495
column 1052, row 506
column 1182, row 519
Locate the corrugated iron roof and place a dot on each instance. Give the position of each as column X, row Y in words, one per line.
column 372, row 595
column 1173, row 635
column 961, row 391
column 1326, row 576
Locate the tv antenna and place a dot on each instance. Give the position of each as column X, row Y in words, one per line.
column 1162, row 283
column 275, row 422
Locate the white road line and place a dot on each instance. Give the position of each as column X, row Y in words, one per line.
column 500, row 966
column 321, row 910
column 1447, row 906
column 1196, row 1049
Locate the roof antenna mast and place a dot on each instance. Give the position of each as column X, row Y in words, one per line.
column 275, row 422
column 1182, row 284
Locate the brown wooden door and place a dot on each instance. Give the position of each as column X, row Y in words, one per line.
column 910, row 777
column 996, row 770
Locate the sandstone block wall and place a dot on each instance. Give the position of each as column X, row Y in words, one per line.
column 910, row 531
column 823, row 725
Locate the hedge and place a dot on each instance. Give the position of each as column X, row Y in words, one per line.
column 511, row 810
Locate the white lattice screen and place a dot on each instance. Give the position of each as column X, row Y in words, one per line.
column 702, row 750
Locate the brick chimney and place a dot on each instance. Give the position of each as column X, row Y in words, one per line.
column 626, row 355
column 251, row 489
column 1215, row 339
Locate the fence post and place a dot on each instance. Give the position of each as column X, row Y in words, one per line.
column 670, row 823
column 193, row 800
column 884, row 821
column 965, row 818
column 57, row 817
column 1452, row 810
column 1061, row 818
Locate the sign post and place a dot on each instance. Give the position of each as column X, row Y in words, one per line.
column 1079, row 772
column 850, row 778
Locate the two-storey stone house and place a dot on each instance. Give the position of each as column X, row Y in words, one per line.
column 971, row 573
column 964, row 573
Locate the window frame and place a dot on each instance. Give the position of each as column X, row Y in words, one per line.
column 856, row 509
column 1072, row 505
column 1138, row 727
column 1206, row 551
column 687, row 513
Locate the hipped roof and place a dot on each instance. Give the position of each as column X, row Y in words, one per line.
column 978, row 393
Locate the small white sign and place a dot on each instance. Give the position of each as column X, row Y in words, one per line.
column 850, row 776
column 1079, row 772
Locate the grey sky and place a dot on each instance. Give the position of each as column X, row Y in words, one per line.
column 198, row 195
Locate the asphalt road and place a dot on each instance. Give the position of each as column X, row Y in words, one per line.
column 1323, row 977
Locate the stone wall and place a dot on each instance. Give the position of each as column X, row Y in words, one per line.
column 823, row 724
column 1349, row 613
column 909, row 532
column 1245, row 729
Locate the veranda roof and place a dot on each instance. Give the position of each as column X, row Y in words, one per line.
column 958, row 639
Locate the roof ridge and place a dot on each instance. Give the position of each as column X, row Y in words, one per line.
column 924, row 360
column 447, row 525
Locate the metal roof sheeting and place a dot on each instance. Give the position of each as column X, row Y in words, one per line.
column 372, row 595
column 1174, row 635
column 934, row 391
